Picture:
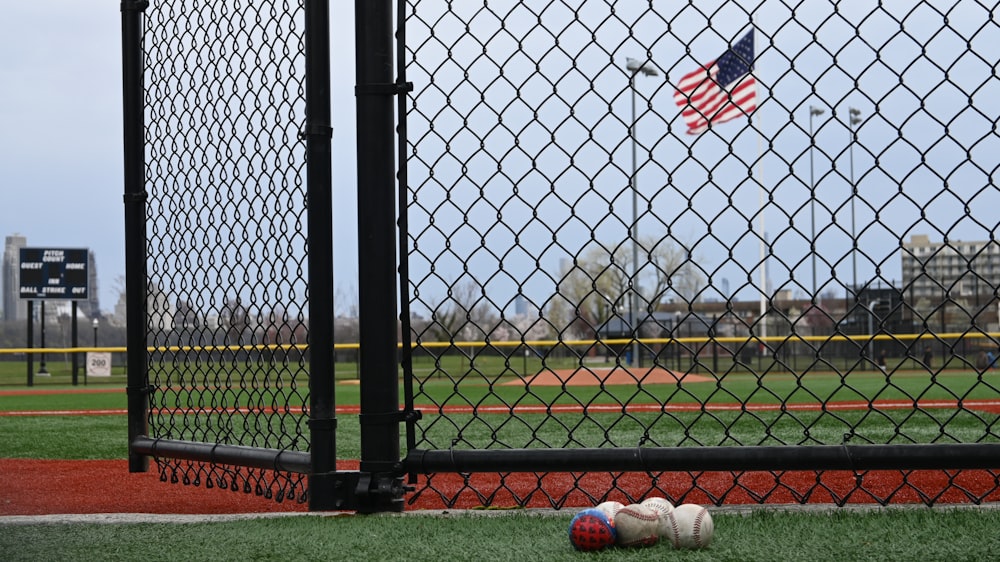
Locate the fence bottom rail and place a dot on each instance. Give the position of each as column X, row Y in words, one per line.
column 825, row 457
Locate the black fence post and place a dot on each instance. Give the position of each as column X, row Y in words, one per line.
column 31, row 342
column 378, row 324
column 135, row 227
column 324, row 494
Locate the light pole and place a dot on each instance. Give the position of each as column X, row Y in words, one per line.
column 854, row 117
column 95, row 323
column 635, row 67
column 813, row 111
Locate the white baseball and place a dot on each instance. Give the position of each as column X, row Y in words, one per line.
column 636, row 525
column 690, row 526
column 611, row 508
column 662, row 507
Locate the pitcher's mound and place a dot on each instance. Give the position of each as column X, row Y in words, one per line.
column 610, row 376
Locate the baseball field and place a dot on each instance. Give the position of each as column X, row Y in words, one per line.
column 67, row 492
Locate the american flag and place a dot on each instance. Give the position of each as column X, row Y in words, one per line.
column 721, row 90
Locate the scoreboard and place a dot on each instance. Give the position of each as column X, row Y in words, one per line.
column 54, row 273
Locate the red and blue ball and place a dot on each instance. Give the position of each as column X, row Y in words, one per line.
column 591, row 529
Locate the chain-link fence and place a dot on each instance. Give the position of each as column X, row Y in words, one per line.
column 691, row 230
column 719, row 252
column 225, row 271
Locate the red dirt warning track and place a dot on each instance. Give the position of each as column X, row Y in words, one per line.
column 40, row 487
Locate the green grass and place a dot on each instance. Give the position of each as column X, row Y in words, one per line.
column 100, row 401
column 15, row 373
column 492, row 379
column 63, row 437
column 732, row 389
column 104, row 437
column 893, row 534
column 29, row 436
column 690, row 429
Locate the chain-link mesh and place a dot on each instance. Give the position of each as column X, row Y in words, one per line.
column 226, row 235
column 820, row 269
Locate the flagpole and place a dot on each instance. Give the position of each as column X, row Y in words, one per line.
column 760, row 201
column 763, row 233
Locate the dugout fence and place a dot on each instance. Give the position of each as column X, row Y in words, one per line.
column 608, row 284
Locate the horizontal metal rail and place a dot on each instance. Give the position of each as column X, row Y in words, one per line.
column 217, row 453
column 824, row 457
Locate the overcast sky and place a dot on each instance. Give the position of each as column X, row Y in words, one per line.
column 930, row 109
column 61, row 128
column 922, row 74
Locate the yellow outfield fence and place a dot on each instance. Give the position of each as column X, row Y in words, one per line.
column 772, row 341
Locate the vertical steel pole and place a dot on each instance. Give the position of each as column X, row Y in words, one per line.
column 406, row 357
column 635, row 234
column 378, row 323
column 75, row 341
column 812, row 205
column 854, row 240
column 42, row 371
column 137, row 390
column 853, row 118
column 323, row 491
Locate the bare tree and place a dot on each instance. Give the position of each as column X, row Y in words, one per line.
column 595, row 286
column 466, row 314
column 346, row 301
column 591, row 289
column 234, row 320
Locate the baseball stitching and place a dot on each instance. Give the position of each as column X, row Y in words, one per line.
column 675, row 535
column 640, row 515
column 697, row 527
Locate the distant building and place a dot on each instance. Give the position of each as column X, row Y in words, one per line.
column 524, row 308
column 944, row 284
column 118, row 317
column 93, row 303
column 13, row 307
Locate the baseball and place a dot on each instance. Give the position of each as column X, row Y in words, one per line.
column 689, row 526
column 611, row 508
column 662, row 507
column 637, row 525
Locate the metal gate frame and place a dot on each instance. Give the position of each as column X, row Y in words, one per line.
column 377, row 486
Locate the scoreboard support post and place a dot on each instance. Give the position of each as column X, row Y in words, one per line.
column 31, row 342
column 42, row 370
column 73, row 343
